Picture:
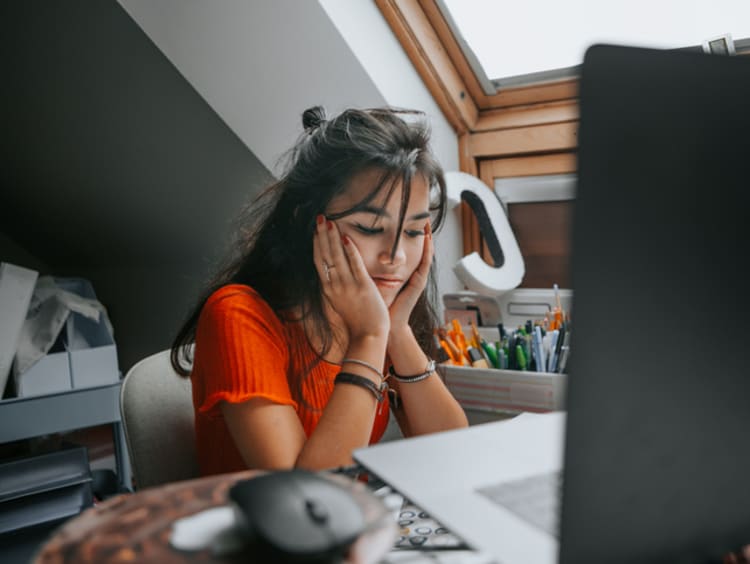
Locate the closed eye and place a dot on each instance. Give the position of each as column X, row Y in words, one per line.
column 368, row 230
column 413, row 233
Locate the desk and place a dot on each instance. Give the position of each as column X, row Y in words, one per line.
column 24, row 418
column 137, row 527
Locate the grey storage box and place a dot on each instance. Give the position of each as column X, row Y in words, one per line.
column 45, row 488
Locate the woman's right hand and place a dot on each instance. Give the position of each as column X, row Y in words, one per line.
column 346, row 284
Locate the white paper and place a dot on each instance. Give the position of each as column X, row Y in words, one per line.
column 48, row 312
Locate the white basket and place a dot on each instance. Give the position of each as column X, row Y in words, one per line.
column 511, row 391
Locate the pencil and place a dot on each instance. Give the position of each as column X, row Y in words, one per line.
column 557, row 296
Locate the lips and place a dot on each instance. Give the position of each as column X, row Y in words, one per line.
column 387, row 281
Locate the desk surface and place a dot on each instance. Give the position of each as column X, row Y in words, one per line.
column 137, row 527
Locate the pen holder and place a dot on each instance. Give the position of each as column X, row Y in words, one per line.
column 507, row 391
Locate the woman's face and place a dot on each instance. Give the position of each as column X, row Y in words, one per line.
column 374, row 229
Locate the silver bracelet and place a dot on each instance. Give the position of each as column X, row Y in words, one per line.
column 429, row 369
column 365, row 364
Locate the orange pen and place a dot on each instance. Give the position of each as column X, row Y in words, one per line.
column 460, row 338
column 558, row 318
column 449, row 352
column 476, row 340
column 453, row 350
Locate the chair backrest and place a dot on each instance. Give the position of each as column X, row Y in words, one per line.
column 158, row 419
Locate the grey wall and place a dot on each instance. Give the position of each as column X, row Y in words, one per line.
column 133, row 131
column 114, row 168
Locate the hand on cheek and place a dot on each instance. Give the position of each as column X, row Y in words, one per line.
column 346, row 284
column 404, row 303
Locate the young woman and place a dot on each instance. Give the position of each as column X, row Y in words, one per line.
column 323, row 319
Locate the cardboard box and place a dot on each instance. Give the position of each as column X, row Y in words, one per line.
column 506, row 391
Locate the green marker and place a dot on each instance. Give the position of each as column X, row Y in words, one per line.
column 520, row 358
column 491, row 352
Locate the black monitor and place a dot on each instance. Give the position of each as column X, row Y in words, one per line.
column 657, row 456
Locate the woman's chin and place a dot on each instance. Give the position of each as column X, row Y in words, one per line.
column 388, row 295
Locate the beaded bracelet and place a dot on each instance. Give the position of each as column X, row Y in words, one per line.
column 362, row 382
column 429, row 369
column 363, row 363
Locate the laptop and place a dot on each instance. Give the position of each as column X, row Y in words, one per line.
column 652, row 456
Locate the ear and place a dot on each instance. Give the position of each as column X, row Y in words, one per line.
column 472, row 270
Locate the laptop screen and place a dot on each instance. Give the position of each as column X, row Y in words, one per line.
column 657, row 455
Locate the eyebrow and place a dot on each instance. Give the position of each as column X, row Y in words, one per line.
column 380, row 212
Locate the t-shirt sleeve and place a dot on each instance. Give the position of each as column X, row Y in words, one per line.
column 241, row 351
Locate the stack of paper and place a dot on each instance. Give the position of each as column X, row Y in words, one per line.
column 16, row 288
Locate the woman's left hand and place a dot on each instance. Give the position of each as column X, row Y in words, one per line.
column 404, row 303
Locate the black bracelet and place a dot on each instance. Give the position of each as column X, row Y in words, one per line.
column 362, row 382
column 429, row 369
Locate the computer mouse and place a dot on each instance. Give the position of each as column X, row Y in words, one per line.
column 297, row 516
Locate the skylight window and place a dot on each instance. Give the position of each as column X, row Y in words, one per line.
column 532, row 40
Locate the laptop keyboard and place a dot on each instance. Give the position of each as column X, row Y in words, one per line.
column 535, row 499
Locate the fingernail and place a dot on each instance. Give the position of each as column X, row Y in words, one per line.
column 345, row 239
column 320, row 219
column 330, row 225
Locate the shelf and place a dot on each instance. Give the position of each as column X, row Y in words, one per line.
column 24, row 418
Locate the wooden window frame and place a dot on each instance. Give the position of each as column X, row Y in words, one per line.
column 518, row 121
column 539, row 120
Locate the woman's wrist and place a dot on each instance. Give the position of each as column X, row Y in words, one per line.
column 365, row 356
column 372, row 334
column 374, row 344
column 401, row 334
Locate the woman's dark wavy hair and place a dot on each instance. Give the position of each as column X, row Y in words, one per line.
column 274, row 251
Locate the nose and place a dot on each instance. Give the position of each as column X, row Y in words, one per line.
column 398, row 258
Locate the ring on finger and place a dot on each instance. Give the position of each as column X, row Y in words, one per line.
column 327, row 268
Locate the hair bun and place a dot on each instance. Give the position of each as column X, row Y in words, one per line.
column 313, row 117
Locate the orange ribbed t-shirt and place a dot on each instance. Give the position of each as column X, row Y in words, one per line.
column 242, row 352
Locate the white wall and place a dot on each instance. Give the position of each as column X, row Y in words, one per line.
column 370, row 38
column 260, row 63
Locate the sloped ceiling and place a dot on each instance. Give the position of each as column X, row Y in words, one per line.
column 259, row 63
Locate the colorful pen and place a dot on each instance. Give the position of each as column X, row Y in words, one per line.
column 491, row 352
column 520, row 358
column 476, row 338
column 477, row 359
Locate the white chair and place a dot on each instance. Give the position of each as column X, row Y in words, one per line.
column 157, row 416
